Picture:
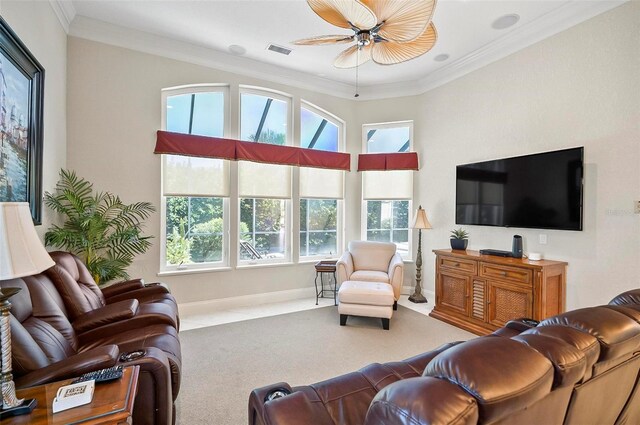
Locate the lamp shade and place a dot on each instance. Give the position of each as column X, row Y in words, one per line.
column 21, row 252
column 420, row 220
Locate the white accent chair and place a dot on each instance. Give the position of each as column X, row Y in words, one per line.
column 367, row 261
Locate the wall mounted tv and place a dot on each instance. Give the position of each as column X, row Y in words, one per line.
column 541, row 191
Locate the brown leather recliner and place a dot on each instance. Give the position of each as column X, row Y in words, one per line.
column 47, row 348
column 580, row 367
column 84, row 298
column 134, row 288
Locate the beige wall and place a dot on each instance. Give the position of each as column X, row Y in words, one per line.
column 114, row 105
column 36, row 25
column 574, row 89
column 578, row 88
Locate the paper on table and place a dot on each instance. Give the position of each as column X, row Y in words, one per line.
column 73, row 395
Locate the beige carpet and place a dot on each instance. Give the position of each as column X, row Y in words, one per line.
column 222, row 364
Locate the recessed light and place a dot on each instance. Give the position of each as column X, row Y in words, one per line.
column 441, row 57
column 237, row 50
column 505, row 21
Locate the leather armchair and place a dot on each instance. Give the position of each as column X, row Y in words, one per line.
column 47, row 348
column 372, row 262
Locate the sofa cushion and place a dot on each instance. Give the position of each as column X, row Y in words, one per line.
column 368, row 255
column 618, row 334
column 370, row 276
column 502, row 374
column 367, row 293
column 422, row 401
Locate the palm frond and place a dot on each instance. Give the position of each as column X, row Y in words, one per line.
column 98, row 227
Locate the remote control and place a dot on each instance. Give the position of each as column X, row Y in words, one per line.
column 102, row 375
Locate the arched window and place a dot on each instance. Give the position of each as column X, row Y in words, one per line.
column 264, row 190
column 387, row 195
column 195, row 191
column 321, row 191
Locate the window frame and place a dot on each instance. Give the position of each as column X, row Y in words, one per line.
column 289, row 137
column 213, row 265
column 340, row 230
column 364, row 202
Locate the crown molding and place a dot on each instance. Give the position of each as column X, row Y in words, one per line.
column 545, row 26
column 65, row 11
column 107, row 33
column 556, row 21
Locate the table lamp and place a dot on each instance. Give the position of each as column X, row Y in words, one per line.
column 21, row 254
column 420, row 221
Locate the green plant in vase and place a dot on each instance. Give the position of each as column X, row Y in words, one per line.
column 98, row 227
column 459, row 238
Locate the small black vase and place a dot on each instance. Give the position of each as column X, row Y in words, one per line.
column 459, row 243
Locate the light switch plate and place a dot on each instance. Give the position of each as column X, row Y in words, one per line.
column 542, row 239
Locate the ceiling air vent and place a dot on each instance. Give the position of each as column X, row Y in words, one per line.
column 279, row 49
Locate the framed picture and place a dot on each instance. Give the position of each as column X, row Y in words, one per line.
column 21, row 106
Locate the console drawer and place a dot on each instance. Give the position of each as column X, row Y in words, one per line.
column 459, row 265
column 512, row 274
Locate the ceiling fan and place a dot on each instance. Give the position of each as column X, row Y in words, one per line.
column 386, row 31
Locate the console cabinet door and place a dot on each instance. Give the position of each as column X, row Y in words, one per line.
column 452, row 291
column 507, row 301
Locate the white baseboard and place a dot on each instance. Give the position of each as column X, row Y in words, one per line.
column 408, row 290
column 206, row 306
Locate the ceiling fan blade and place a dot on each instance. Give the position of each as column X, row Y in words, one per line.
column 390, row 52
column 325, row 39
column 350, row 58
column 404, row 20
column 343, row 13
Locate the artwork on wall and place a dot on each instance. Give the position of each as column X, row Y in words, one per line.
column 21, row 107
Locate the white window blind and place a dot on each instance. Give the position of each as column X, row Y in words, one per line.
column 321, row 183
column 188, row 176
column 257, row 180
column 378, row 185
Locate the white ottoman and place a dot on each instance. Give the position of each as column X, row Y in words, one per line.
column 370, row 299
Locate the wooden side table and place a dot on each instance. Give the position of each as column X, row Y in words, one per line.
column 112, row 403
column 326, row 267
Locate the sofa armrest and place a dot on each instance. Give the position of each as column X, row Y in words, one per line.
column 95, row 359
column 122, row 287
column 344, row 267
column 106, row 315
column 396, row 274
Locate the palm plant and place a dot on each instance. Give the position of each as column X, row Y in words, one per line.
column 99, row 228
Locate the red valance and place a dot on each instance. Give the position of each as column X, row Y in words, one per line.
column 215, row 147
column 388, row 161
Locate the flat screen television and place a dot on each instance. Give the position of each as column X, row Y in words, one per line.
column 541, row 191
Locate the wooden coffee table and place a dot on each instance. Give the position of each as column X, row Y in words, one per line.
column 112, row 403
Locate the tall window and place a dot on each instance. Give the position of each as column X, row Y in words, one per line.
column 264, row 189
column 195, row 190
column 387, row 194
column 321, row 191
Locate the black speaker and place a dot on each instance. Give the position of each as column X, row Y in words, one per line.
column 516, row 247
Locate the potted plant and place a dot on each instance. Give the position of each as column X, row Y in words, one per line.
column 459, row 238
column 98, row 227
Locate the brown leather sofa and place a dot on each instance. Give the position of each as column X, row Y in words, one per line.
column 47, row 346
column 577, row 368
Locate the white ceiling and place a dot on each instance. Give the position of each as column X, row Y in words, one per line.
column 208, row 28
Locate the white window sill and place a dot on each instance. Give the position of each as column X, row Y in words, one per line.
column 194, row 271
column 263, row 265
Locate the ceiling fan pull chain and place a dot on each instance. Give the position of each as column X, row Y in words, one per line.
column 357, row 66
